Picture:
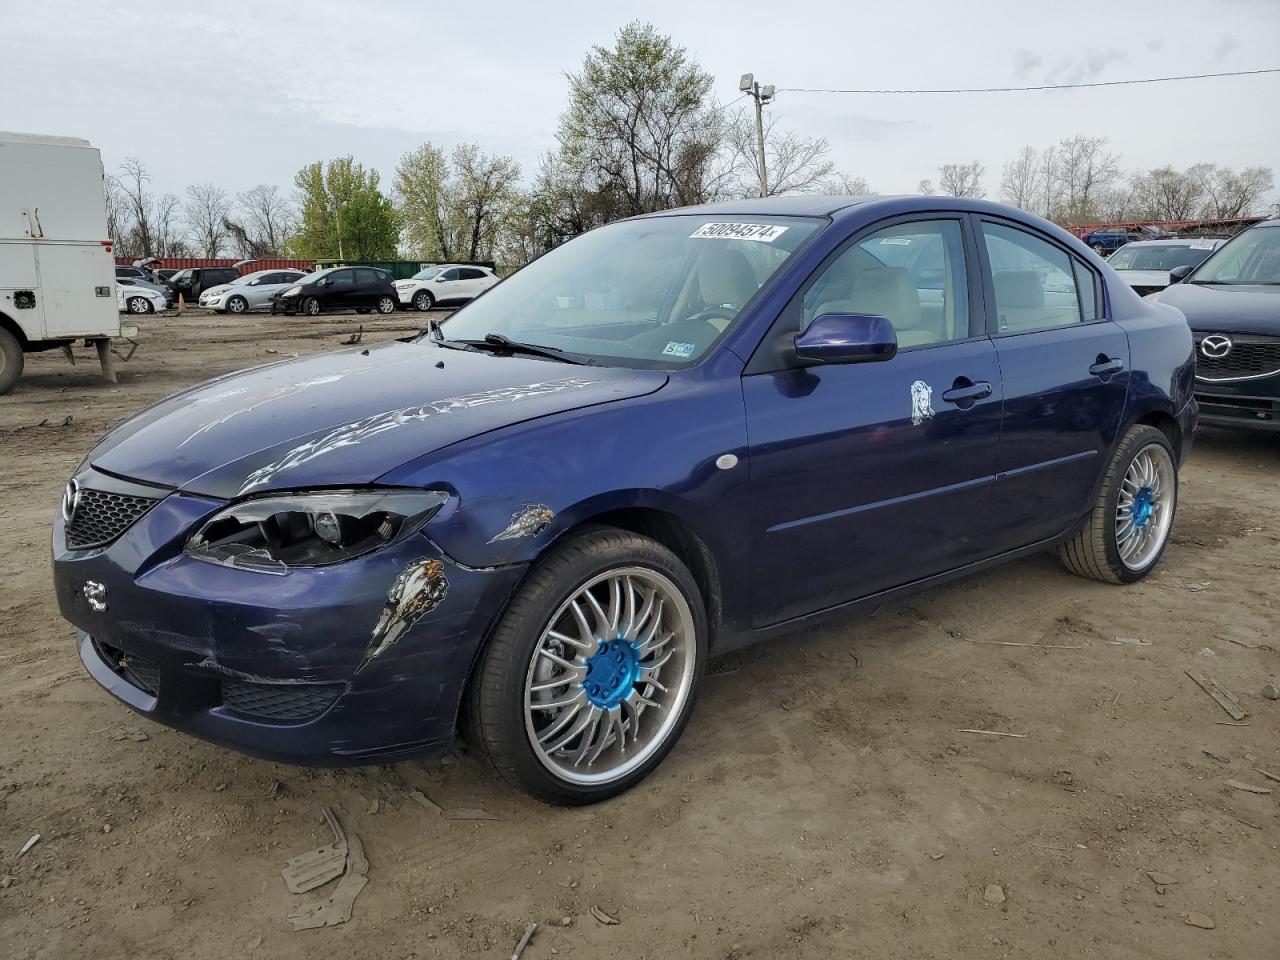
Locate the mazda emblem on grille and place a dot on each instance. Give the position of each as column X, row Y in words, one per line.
column 96, row 594
column 1215, row 347
column 70, row 499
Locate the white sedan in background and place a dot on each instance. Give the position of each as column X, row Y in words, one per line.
column 445, row 283
column 135, row 298
column 253, row 291
column 1145, row 264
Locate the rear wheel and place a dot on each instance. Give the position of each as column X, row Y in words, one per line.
column 422, row 300
column 386, row 304
column 1125, row 534
column 593, row 670
column 11, row 360
column 1099, row 249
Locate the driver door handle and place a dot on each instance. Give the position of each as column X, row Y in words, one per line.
column 968, row 394
column 1106, row 367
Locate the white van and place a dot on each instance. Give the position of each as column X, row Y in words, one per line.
column 57, row 271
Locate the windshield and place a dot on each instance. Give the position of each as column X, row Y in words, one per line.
column 1252, row 257
column 427, row 274
column 312, row 277
column 657, row 291
column 1160, row 256
column 241, row 281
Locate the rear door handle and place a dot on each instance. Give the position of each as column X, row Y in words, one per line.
column 968, row 395
column 1105, row 368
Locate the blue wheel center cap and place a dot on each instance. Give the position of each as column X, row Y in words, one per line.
column 611, row 673
column 1143, row 504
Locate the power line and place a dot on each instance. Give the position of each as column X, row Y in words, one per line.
column 1045, row 86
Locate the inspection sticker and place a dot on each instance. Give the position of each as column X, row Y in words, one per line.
column 675, row 348
column 763, row 232
column 1201, row 245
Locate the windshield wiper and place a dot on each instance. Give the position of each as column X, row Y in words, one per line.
column 499, row 342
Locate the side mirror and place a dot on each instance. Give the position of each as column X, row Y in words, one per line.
column 847, row 338
column 1178, row 274
column 440, row 279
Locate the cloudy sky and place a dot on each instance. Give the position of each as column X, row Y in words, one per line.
column 240, row 93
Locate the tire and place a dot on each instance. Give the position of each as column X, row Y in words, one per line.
column 237, row 305
column 501, row 718
column 138, row 305
column 311, row 307
column 11, row 361
column 422, row 300
column 386, row 304
column 1107, row 548
column 1099, row 249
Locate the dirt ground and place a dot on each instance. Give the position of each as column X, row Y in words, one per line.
column 824, row 801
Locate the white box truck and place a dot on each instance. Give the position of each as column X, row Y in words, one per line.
column 57, row 271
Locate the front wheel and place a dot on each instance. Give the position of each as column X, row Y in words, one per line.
column 386, row 304
column 1125, row 534
column 1099, row 249
column 422, row 300
column 237, row 304
column 312, row 306
column 593, row 670
column 11, row 360
column 138, row 305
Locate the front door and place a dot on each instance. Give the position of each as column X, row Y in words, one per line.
column 1066, row 377
column 867, row 476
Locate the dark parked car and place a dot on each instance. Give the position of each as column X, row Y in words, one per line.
column 663, row 440
column 362, row 289
column 1232, row 301
column 193, row 281
column 1109, row 239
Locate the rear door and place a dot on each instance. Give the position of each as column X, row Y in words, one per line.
column 1065, row 367
column 867, row 476
column 368, row 288
column 77, row 290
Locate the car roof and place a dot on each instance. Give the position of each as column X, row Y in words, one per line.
column 802, row 205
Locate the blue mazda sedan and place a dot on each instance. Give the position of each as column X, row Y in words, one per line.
column 665, row 439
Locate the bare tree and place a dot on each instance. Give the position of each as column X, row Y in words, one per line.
column 139, row 207
column 1229, row 194
column 961, row 179
column 1167, row 194
column 846, row 185
column 206, row 210
column 794, row 163
column 266, row 216
column 925, row 187
column 168, row 238
column 1021, row 182
column 117, row 217
column 1083, row 168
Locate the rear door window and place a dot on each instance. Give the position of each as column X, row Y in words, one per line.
column 1034, row 281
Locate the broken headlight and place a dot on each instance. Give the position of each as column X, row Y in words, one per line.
column 273, row 534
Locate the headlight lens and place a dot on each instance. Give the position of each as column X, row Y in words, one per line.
column 292, row 292
column 274, row 534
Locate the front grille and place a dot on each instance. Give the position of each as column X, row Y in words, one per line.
column 139, row 671
column 289, row 702
column 100, row 517
column 1248, row 357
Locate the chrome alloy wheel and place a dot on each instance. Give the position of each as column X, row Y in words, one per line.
column 610, row 675
column 1144, row 510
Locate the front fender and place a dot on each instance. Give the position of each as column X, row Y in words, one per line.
column 514, row 491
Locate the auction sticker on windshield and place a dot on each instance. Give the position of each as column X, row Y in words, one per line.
column 762, row 232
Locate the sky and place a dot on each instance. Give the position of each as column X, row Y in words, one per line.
column 239, row 93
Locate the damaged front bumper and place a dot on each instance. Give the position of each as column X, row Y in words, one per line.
column 359, row 662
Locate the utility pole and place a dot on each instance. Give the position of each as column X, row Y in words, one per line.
column 336, row 207
column 761, row 96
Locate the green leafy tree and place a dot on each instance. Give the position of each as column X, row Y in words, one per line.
column 641, row 132
column 344, row 214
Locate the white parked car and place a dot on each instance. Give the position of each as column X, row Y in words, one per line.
column 134, row 298
column 253, row 291
column 1145, row 264
column 445, row 283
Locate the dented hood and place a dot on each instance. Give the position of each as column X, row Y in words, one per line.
column 346, row 418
